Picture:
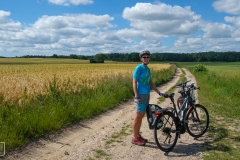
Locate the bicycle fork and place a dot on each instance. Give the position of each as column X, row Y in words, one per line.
column 194, row 113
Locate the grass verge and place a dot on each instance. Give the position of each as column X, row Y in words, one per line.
column 220, row 95
column 182, row 79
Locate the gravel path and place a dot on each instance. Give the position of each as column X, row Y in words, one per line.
column 91, row 139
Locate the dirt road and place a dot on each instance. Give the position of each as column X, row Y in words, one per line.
column 92, row 139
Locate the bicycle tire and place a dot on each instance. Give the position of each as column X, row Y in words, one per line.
column 166, row 136
column 197, row 121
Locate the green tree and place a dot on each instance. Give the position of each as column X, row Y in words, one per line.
column 99, row 57
column 54, row 56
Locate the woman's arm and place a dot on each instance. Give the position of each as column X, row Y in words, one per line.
column 153, row 86
column 135, row 88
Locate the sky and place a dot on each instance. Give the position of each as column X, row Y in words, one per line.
column 89, row 27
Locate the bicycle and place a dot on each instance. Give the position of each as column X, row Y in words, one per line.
column 168, row 124
column 196, row 125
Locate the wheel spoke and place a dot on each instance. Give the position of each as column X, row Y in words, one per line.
column 165, row 137
column 198, row 121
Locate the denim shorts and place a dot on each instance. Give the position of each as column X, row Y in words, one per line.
column 143, row 103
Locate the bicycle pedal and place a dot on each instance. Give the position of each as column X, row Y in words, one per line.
column 180, row 130
column 177, row 131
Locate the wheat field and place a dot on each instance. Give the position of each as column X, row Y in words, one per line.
column 19, row 80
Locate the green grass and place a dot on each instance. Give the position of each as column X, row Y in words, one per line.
column 115, row 139
column 49, row 113
column 100, row 153
column 220, row 95
column 181, row 79
column 117, row 136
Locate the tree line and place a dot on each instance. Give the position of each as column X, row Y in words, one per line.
column 134, row 57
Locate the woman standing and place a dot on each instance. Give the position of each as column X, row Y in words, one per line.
column 142, row 84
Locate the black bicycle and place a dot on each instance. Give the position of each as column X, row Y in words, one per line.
column 194, row 116
column 169, row 123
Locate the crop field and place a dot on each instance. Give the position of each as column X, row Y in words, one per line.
column 220, row 95
column 27, row 77
column 38, row 96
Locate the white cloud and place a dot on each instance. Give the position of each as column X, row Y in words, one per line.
column 187, row 45
column 140, row 34
column 162, row 19
column 218, row 30
column 3, row 15
column 71, row 2
column 234, row 20
column 70, row 32
column 228, row 6
column 7, row 24
column 74, row 21
column 216, row 37
column 49, row 29
column 150, row 25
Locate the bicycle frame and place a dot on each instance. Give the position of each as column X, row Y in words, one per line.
column 169, row 123
column 183, row 109
column 181, row 114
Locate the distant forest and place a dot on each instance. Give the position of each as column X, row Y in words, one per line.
column 134, row 57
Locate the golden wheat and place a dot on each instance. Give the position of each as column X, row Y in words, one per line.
column 28, row 80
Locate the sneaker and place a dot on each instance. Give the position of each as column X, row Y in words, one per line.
column 143, row 139
column 138, row 141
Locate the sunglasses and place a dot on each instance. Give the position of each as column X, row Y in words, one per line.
column 145, row 57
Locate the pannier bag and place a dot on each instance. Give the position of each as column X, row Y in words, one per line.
column 150, row 110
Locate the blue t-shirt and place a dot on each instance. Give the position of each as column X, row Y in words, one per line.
column 142, row 74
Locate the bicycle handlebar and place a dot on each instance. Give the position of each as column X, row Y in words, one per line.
column 191, row 86
column 197, row 88
column 169, row 95
column 182, row 84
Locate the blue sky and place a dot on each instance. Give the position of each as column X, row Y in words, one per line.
column 88, row 27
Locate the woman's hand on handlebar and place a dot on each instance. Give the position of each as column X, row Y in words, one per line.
column 163, row 94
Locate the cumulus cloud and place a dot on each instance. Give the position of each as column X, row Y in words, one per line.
column 218, row 30
column 162, row 19
column 228, row 6
column 216, row 37
column 73, row 21
column 70, row 32
column 7, row 24
column 187, row 45
column 234, row 20
column 71, row 2
column 3, row 15
column 150, row 24
column 193, row 42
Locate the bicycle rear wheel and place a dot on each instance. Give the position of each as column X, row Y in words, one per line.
column 165, row 132
column 197, row 121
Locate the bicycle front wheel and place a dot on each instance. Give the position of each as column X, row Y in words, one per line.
column 165, row 132
column 197, row 120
